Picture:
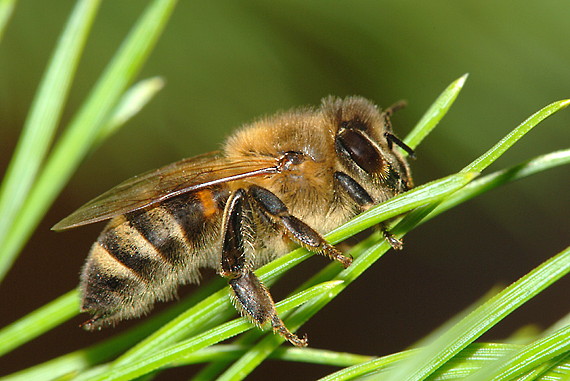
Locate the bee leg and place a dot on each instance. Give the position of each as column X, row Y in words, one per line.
column 396, row 243
column 255, row 301
column 363, row 199
column 252, row 298
column 299, row 231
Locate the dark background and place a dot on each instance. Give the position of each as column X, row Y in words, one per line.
column 226, row 63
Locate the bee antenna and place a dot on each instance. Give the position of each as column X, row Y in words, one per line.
column 394, row 139
column 391, row 138
column 395, row 107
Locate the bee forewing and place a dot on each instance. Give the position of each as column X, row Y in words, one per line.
column 158, row 185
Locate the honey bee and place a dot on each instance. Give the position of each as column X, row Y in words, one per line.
column 281, row 181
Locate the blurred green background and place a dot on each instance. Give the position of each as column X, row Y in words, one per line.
column 226, row 63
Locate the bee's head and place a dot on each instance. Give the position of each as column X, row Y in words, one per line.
column 364, row 142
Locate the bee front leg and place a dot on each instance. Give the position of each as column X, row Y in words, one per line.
column 299, row 231
column 252, row 298
column 363, row 199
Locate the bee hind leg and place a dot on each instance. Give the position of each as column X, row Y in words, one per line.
column 94, row 323
column 252, row 298
column 255, row 301
column 395, row 242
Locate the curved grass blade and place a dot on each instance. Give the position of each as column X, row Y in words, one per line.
column 527, row 358
column 435, row 113
column 67, row 306
column 82, row 359
column 514, row 136
column 41, row 320
column 307, row 355
column 466, row 362
column 77, row 140
column 252, row 358
column 482, row 162
column 558, row 371
column 429, row 363
column 483, row 318
column 41, row 124
column 132, row 101
column 465, row 365
column 164, row 357
column 249, row 339
column 486, row 183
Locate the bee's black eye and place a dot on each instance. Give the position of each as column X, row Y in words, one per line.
column 361, row 150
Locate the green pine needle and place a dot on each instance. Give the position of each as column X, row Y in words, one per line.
column 39, row 129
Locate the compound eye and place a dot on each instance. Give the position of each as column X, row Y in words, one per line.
column 361, row 150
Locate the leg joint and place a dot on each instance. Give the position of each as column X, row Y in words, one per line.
column 268, row 201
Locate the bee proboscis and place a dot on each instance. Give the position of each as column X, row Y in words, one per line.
column 281, row 181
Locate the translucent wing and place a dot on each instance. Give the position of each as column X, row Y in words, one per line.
column 172, row 180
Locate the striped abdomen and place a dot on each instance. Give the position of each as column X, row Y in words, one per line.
column 142, row 256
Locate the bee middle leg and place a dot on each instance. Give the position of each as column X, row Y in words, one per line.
column 251, row 296
column 298, row 231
